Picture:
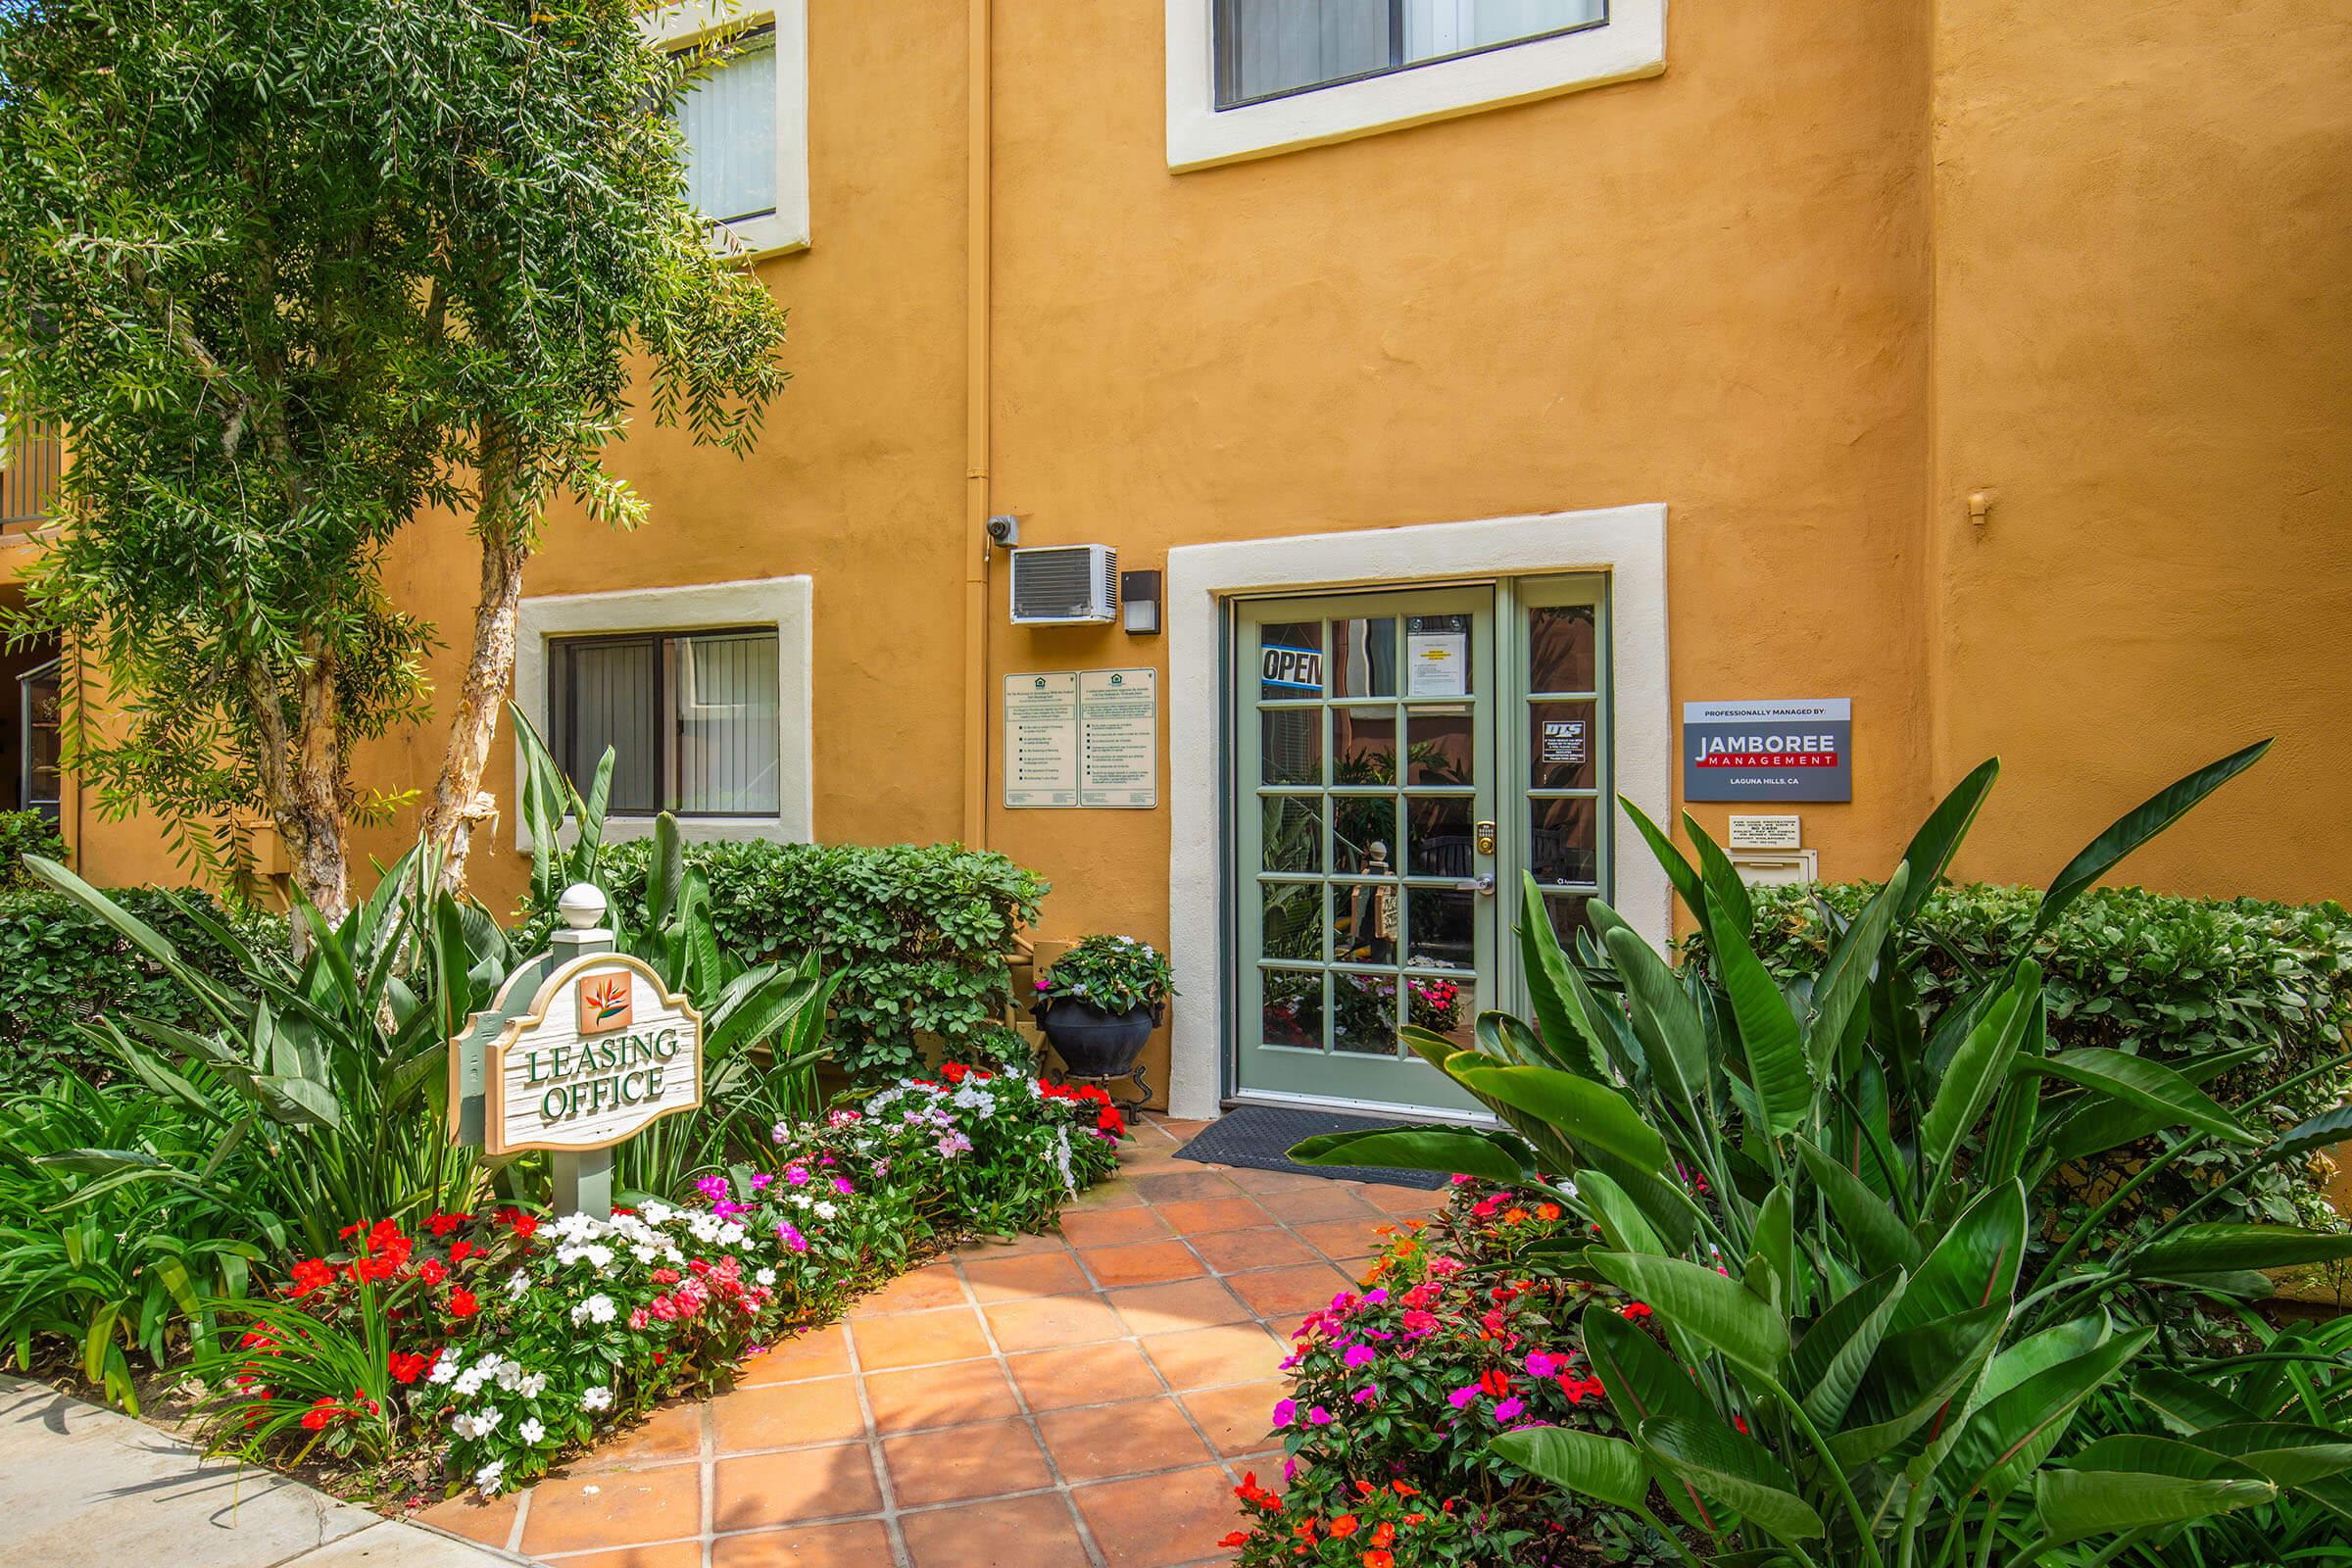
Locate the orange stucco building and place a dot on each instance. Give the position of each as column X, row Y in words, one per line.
column 1981, row 365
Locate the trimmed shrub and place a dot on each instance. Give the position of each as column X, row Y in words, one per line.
column 2156, row 975
column 61, row 967
column 23, row 833
column 918, row 932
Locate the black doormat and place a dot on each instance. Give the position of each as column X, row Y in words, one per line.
column 1260, row 1136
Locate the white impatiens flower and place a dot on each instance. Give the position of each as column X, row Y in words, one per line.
column 488, row 1477
column 599, row 1397
column 531, row 1384
column 824, row 1210
column 531, row 1431
column 597, row 1306
column 445, row 1366
column 767, row 1276
column 518, row 1283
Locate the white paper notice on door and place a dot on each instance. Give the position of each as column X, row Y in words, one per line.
column 1436, row 663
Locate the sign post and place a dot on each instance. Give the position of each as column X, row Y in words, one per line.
column 582, row 1049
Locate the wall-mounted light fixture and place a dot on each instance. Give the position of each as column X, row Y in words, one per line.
column 1139, row 602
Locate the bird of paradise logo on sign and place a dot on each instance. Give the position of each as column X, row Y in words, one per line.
column 607, row 1001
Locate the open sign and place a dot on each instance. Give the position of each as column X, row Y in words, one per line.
column 1302, row 667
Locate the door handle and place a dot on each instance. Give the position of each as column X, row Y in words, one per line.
column 1485, row 884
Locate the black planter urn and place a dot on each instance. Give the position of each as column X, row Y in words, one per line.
column 1091, row 1043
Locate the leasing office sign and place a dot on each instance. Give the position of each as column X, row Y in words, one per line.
column 1792, row 749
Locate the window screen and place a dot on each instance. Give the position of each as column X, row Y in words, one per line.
column 690, row 718
column 729, row 119
column 1267, row 48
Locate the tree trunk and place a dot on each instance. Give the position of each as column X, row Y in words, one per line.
column 301, row 782
column 459, row 801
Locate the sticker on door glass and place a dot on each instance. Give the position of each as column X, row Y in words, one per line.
column 1564, row 740
column 1437, row 662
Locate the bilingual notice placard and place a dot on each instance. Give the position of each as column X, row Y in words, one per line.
column 1084, row 737
column 1793, row 749
column 1118, row 738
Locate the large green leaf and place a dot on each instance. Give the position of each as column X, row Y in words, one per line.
column 1622, row 1223
column 1581, row 1462
column 1826, row 1365
column 1864, row 1221
column 2131, row 1482
column 1915, row 1375
column 2149, row 1085
column 1769, row 1034
column 1734, row 1469
column 1702, row 1304
column 1665, row 1021
column 1979, row 1067
column 2096, row 1123
column 2225, row 1247
column 2326, row 1129
column 1689, row 885
column 2285, row 1454
column 1722, row 883
column 1641, row 1381
column 1938, row 838
column 1492, row 1157
column 2006, row 1439
column 2136, row 826
column 1847, row 975
column 1584, row 1112
column 1551, row 986
column 1974, row 1264
column 2184, row 1404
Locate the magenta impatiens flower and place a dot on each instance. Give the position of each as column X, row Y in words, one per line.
column 1284, row 1411
column 1318, row 1415
column 1464, row 1397
column 1508, row 1410
column 1360, row 1356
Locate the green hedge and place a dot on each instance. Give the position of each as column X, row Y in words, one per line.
column 62, row 966
column 920, row 932
column 23, row 833
column 2165, row 977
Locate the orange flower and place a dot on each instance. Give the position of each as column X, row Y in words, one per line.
column 1514, row 1217
column 1548, row 1213
column 1385, row 1534
column 1379, row 1559
column 1343, row 1527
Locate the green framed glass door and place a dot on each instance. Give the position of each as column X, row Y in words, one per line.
column 1367, row 839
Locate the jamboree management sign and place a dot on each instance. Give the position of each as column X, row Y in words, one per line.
column 1791, row 750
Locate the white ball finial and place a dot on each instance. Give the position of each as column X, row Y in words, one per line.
column 582, row 906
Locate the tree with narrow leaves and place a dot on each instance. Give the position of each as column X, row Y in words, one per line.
column 296, row 275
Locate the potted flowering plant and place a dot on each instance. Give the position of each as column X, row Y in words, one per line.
column 1099, row 1002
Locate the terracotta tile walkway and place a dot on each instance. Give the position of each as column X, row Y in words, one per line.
column 1081, row 1401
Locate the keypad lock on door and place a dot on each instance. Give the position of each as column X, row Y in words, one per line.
column 1486, row 838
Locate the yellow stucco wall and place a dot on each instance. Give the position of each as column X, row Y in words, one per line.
column 1839, row 266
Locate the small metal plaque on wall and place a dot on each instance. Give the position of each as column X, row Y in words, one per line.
column 1796, row 748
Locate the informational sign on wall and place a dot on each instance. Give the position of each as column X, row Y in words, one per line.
column 1796, row 748
column 1082, row 738
column 1118, row 738
column 604, row 1050
column 1767, row 832
column 1040, row 739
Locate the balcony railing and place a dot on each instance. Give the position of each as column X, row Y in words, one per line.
column 29, row 471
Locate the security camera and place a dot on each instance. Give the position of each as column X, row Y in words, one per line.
column 1004, row 529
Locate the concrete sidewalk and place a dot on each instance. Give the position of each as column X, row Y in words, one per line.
column 82, row 1486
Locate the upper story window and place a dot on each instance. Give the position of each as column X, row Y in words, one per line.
column 745, row 121
column 1267, row 48
column 1248, row 78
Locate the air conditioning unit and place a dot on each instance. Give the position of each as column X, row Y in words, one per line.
column 1064, row 585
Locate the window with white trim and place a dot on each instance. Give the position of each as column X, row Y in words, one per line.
column 690, row 718
column 1249, row 77
column 1267, row 48
column 745, row 118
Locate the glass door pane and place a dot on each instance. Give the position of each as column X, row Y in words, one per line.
column 1558, row 747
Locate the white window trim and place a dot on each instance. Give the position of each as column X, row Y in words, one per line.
column 784, row 603
column 1201, row 135
column 684, row 21
column 1627, row 542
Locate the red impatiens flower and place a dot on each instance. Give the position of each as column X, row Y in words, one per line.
column 322, row 1410
column 407, row 1366
column 462, row 1302
column 312, row 1274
